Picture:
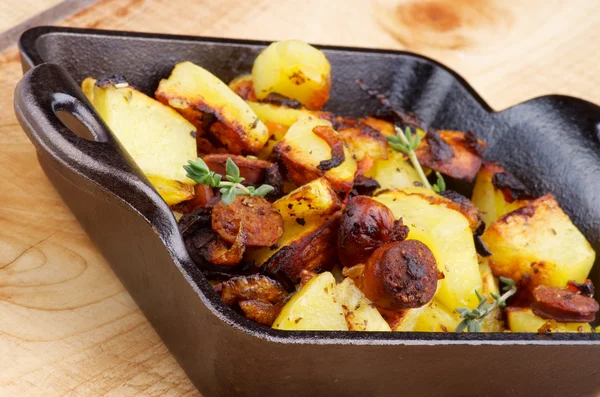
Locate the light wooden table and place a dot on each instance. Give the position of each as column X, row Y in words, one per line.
column 67, row 327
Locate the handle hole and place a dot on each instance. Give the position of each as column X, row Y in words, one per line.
column 74, row 125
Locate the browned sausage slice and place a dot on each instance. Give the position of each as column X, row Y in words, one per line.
column 563, row 305
column 366, row 225
column 400, row 275
column 253, row 170
column 262, row 223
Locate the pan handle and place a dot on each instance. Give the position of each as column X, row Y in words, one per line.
column 48, row 89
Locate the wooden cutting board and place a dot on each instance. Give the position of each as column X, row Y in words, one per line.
column 67, row 326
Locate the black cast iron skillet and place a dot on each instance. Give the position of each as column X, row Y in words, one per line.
column 550, row 143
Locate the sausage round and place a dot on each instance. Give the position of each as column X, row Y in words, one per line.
column 262, row 223
column 366, row 225
column 563, row 305
column 400, row 275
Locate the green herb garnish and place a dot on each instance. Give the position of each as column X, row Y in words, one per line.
column 407, row 142
column 232, row 187
column 472, row 318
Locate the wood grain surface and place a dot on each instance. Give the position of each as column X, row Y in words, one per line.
column 67, row 327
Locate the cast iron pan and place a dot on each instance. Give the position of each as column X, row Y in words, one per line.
column 550, row 143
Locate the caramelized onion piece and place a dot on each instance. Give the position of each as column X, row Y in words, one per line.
column 400, row 275
column 366, row 225
column 218, row 253
column 262, row 223
column 563, row 305
column 256, row 287
column 335, row 143
column 260, row 312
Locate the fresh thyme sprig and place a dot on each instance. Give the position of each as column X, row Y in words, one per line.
column 407, row 142
column 472, row 318
column 232, row 187
column 440, row 184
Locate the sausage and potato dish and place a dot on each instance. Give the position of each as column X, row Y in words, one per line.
column 307, row 220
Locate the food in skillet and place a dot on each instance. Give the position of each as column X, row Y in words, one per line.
column 308, row 220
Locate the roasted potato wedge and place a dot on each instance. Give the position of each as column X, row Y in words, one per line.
column 453, row 153
column 172, row 191
column 278, row 120
column 436, row 317
column 304, row 154
column 304, row 245
column 362, row 139
column 493, row 199
column 195, row 93
column 361, row 314
column 448, row 235
column 395, row 172
column 403, row 321
column 158, row 139
column 315, row 199
column 313, row 308
column 539, row 245
column 522, row 319
column 295, row 70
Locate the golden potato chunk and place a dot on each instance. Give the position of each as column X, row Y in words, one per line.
column 361, row 314
column 316, row 198
column 448, row 235
column 283, row 116
column 195, row 93
column 395, row 172
column 293, row 69
column 156, row 137
column 313, row 308
column 173, row 192
column 523, row 320
column 539, row 243
column 494, row 201
column 436, row 317
column 362, row 139
column 308, row 156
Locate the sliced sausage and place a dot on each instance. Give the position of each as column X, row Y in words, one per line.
column 400, row 275
column 366, row 225
column 262, row 223
column 253, row 170
column 563, row 305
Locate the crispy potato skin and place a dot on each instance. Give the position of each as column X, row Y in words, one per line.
column 307, row 156
column 262, row 223
column 311, row 251
column 457, row 158
column 366, row 225
column 362, row 139
column 400, row 275
column 211, row 106
column 494, row 201
column 244, row 87
column 538, row 245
